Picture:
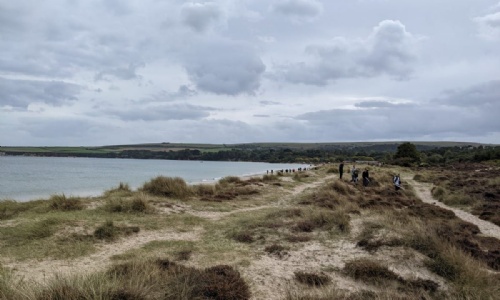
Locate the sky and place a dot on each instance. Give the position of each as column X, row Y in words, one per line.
column 107, row 72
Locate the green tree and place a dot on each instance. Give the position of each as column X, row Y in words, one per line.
column 406, row 154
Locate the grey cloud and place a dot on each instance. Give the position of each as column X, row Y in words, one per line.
column 182, row 92
column 261, row 116
column 21, row 93
column 199, row 16
column 379, row 104
column 163, row 113
column 391, row 50
column 224, row 67
column 446, row 117
column 266, row 102
column 51, row 42
column 481, row 95
column 299, row 9
column 61, row 128
column 117, row 7
column 492, row 20
column 124, row 73
column 388, row 50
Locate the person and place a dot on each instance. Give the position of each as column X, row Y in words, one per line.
column 354, row 174
column 366, row 177
column 397, row 182
column 341, row 169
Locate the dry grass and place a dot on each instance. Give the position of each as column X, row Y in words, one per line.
column 250, row 222
column 138, row 203
column 168, row 187
column 312, row 279
column 109, row 232
column 61, row 202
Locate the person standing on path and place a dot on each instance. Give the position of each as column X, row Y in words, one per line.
column 366, row 177
column 341, row 169
column 397, row 182
column 354, row 174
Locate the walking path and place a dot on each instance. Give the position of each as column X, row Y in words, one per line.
column 423, row 191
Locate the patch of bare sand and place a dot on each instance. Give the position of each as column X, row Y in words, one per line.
column 41, row 271
column 423, row 191
column 271, row 276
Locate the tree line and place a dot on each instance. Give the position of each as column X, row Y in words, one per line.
column 406, row 154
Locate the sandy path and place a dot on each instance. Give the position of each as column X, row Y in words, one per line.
column 282, row 201
column 423, row 191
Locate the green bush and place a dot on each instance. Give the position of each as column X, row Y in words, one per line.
column 439, row 193
column 107, row 231
column 458, row 200
column 138, row 204
column 168, row 187
column 60, row 202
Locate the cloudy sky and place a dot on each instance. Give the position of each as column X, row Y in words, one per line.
column 100, row 72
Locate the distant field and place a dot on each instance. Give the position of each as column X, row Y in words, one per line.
column 221, row 147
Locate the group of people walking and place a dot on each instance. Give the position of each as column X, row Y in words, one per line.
column 366, row 176
column 355, row 173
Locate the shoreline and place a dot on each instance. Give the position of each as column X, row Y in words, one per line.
column 97, row 193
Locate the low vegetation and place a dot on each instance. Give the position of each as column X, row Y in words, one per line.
column 302, row 235
column 472, row 187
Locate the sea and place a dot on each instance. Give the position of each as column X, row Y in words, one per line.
column 25, row 178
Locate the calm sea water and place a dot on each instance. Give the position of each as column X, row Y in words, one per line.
column 29, row 178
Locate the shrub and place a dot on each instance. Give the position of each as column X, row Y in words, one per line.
column 327, row 220
column 368, row 270
column 458, row 200
column 438, row 193
column 340, row 187
column 304, row 226
column 230, row 179
column 10, row 208
column 444, row 267
column 332, row 171
column 123, row 187
column 243, row 237
column 298, row 238
column 312, row 279
column 268, row 177
column 277, row 250
column 168, row 187
column 222, row 282
column 138, row 204
column 60, row 202
column 285, row 213
column 204, row 190
column 107, row 231
column 184, row 254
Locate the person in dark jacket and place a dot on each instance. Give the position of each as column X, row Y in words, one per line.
column 366, row 177
column 341, row 169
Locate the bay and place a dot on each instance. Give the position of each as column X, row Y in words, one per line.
column 25, row 178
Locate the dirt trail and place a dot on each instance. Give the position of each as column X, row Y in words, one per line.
column 213, row 215
column 423, row 191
